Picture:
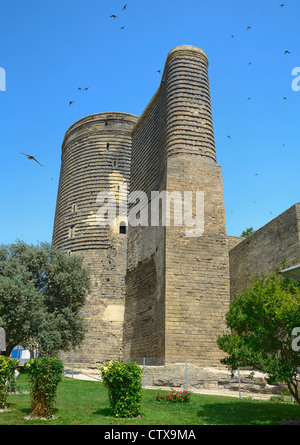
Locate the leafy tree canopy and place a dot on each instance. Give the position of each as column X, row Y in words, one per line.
column 262, row 321
column 42, row 290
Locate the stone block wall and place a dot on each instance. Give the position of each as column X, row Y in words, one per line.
column 177, row 287
column 263, row 251
column 96, row 156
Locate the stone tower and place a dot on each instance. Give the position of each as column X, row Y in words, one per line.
column 177, row 286
column 160, row 290
column 96, row 156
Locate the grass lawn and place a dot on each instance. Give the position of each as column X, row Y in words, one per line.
column 86, row 403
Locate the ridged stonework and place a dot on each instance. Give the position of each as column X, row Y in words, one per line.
column 177, row 287
column 172, row 304
column 96, row 155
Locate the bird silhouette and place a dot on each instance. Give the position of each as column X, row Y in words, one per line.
column 31, row 158
column 71, row 102
column 113, row 16
column 124, row 7
column 158, row 71
column 249, row 27
column 287, row 52
column 122, row 27
column 229, row 137
column 282, row 5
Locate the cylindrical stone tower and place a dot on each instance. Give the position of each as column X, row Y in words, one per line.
column 177, row 286
column 96, row 156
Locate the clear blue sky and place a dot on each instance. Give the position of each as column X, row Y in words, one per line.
column 49, row 49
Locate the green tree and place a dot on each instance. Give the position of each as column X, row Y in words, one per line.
column 262, row 321
column 42, row 290
column 247, row 232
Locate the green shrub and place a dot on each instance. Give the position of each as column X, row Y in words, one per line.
column 173, row 396
column 7, row 377
column 45, row 373
column 124, row 383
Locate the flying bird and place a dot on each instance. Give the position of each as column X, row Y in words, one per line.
column 125, row 6
column 31, row 158
column 249, row 27
column 158, row 71
column 113, row 16
column 229, row 137
column 282, row 5
column 71, row 102
column 122, row 27
column 287, row 52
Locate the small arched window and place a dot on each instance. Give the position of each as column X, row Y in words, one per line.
column 107, row 148
column 105, row 125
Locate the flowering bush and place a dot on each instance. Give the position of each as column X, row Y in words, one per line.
column 173, row 396
column 124, row 383
column 7, row 377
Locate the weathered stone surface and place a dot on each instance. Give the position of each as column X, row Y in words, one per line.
column 197, row 378
column 96, row 154
column 264, row 251
column 156, row 292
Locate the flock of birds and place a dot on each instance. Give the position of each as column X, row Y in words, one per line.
column 113, row 16
column 286, row 52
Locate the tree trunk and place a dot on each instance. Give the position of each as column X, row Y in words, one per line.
column 293, row 388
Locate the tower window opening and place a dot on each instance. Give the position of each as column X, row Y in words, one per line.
column 105, row 125
column 115, row 163
column 123, row 228
column 107, row 148
column 72, row 232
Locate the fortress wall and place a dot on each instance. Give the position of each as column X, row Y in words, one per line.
column 197, row 268
column 177, row 290
column 89, row 165
column 144, row 323
column 264, row 250
column 234, row 241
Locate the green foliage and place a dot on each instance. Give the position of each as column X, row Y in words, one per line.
column 44, row 373
column 247, row 232
column 42, row 290
column 7, row 377
column 261, row 321
column 124, row 383
column 173, row 396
